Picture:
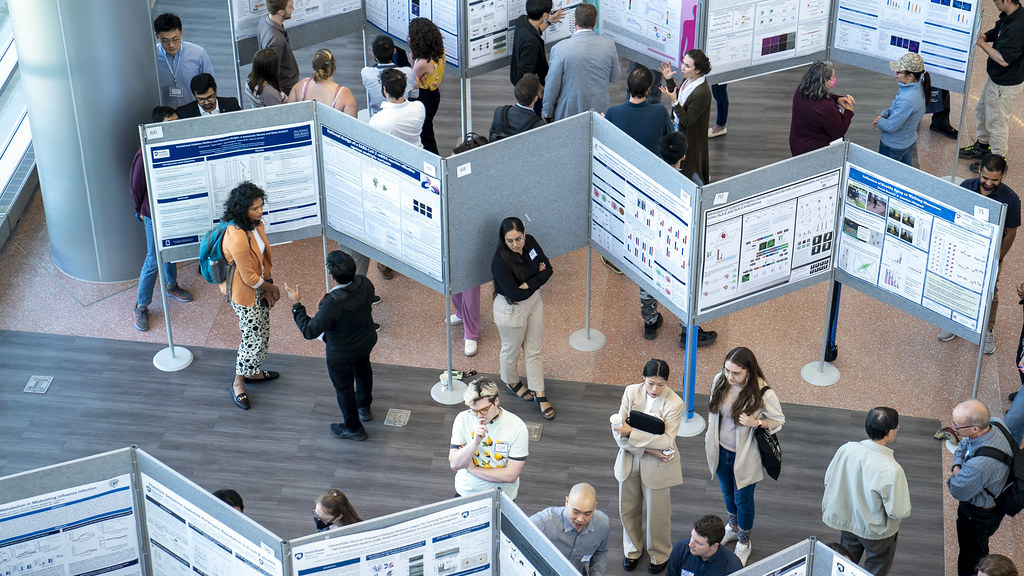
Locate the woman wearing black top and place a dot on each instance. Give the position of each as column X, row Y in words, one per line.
column 520, row 268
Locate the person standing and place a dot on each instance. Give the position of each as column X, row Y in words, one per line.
column 384, row 51
column 819, row 117
column 177, row 61
column 647, row 468
column 702, row 553
column 720, row 92
column 206, row 103
column 322, row 87
column 1005, row 69
column 741, row 402
column 270, row 33
column 582, row 66
column 399, row 117
column 345, row 320
column 427, row 46
column 898, row 123
column 333, row 510
column 579, row 530
column 528, row 55
column 866, row 493
column 973, row 480
column 645, row 122
column 996, row 565
column 510, row 120
column 264, row 85
column 149, row 273
column 691, row 105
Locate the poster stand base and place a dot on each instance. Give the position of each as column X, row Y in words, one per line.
column 579, row 340
column 827, row 376
column 448, row 393
column 691, row 426
column 166, row 362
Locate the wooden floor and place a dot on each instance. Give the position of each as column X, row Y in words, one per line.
column 280, row 456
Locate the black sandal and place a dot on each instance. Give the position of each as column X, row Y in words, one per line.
column 529, row 395
column 549, row 412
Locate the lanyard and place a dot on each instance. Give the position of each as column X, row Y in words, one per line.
column 177, row 60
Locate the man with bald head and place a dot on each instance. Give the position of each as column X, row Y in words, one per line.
column 974, row 480
column 579, row 530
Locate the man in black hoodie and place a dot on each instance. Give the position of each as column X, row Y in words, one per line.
column 346, row 324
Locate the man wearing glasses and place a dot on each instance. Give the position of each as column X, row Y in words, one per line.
column 177, row 61
column 974, row 481
column 207, row 103
column 489, row 444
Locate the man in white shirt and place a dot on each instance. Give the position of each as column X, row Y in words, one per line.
column 177, row 61
column 398, row 116
column 384, row 54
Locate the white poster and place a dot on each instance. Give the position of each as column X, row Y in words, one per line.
column 452, row 542
column 512, row 560
column 661, row 29
column 643, row 224
column 191, row 179
column 87, row 529
column 247, row 13
column 183, row 540
column 768, row 240
column 940, row 31
column 743, row 33
column 393, row 16
column 916, row 247
column 383, row 202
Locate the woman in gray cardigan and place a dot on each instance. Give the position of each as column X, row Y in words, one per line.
column 738, row 406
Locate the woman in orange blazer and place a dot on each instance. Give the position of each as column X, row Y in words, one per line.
column 252, row 290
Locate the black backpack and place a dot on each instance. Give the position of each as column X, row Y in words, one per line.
column 1011, row 498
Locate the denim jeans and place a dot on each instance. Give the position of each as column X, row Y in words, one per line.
column 739, row 502
column 147, row 278
column 905, row 155
column 720, row 92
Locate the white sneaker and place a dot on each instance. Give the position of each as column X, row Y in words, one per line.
column 454, row 320
column 743, row 552
column 990, row 342
column 470, row 348
column 730, row 534
column 946, row 336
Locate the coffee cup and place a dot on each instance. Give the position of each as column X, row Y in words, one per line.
column 616, row 420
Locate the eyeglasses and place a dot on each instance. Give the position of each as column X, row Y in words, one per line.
column 321, row 525
column 958, row 427
column 171, row 41
column 483, row 410
column 210, row 98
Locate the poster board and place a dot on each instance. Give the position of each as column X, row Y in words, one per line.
column 651, row 31
column 393, row 16
column 924, row 245
column 490, row 31
column 797, row 560
column 871, row 33
column 383, row 196
column 746, row 38
column 764, row 233
column 312, row 22
column 192, row 165
column 523, row 550
column 642, row 213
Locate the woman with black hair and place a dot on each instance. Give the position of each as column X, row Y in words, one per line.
column 427, row 47
column 520, row 268
column 252, row 292
column 264, row 87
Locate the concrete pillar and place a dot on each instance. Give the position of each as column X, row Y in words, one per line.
column 88, row 70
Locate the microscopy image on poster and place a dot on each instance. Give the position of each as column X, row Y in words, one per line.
column 643, row 225
column 940, row 31
column 86, row 529
column 661, row 29
column 383, row 202
column 743, row 33
column 916, row 247
column 393, row 16
column 452, row 542
column 768, row 240
column 247, row 13
column 185, row 540
column 191, row 179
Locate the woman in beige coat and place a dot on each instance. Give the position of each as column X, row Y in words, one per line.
column 738, row 406
column 647, row 467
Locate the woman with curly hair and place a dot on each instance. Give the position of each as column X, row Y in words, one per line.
column 250, row 289
column 427, row 48
column 322, row 87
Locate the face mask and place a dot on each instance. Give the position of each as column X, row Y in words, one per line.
column 832, row 84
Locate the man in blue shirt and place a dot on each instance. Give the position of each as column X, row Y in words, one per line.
column 177, row 61
column 702, row 553
column 579, row 530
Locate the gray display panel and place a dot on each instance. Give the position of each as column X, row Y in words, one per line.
column 764, row 234
column 313, row 22
column 192, row 165
column 918, row 243
column 386, row 205
column 523, row 548
column 793, row 561
column 642, row 213
column 484, row 187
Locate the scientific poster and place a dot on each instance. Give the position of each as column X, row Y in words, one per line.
column 383, row 202
column 642, row 224
column 916, row 247
column 191, row 179
column 392, row 17
column 939, row 30
column 661, row 29
column 512, row 560
column 247, row 13
column 183, row 540
column 492, row 27
column 743, row 33
column 452, row 542
column 87, row 529
column 768, row 240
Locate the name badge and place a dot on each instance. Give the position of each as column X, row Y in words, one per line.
column 586, row 559
column 533, row 254
column 502, row 448
column 175, row 92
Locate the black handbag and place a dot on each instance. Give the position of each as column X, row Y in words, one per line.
column 646, row 422
column 770, row 449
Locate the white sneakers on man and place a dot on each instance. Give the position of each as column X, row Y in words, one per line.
column 470, row 348
column 743, row 552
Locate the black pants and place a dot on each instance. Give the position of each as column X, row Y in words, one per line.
column 431, row 100
column 879, row 553
column 974, row 526
column 351, row 398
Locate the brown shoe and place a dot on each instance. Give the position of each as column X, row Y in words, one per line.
column 386, row 272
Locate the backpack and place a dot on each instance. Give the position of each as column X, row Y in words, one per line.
column 212, row 264
column 1011, row 498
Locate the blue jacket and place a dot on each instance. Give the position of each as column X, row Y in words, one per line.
column 899, row 121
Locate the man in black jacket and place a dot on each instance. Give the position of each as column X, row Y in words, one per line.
column 207, row 103
column 510, row 120
column 346, row 323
